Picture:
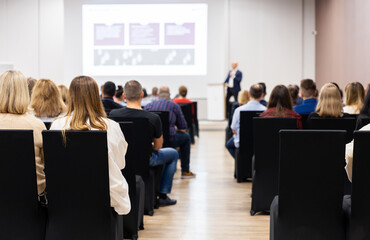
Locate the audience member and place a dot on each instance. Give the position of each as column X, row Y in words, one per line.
column 340, row 90
column 280, row 105
column 355, row 94
column 243, row 98
column 329, row 105
column 46, row 102
column 179, row 137
column 119, row 98
column 85, row 112
column 167, row 156
column 154, row 95
column 14, row 101
column 183, row 91
column 255, row 95
column 364, row 113
column 263, row 101
column 294, row 93
column 367, row 88
column 145, row 99
column 308, row 92
column 109, row 90
column 31, row 84
column 63, row 90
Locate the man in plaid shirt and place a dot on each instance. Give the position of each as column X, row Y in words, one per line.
column 178, row 135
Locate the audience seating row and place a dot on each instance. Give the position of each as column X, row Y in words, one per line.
column 143, row 180
column 310, row 203
column 78, row 187
column 310, row 195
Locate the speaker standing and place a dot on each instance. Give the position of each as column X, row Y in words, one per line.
column 232, row 83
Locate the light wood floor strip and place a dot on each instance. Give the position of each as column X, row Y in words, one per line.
column 211, row 206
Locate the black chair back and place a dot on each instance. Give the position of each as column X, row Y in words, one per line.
column 139, row 153
column 266, row 160
column 304, row 120
column 347, row 124
column 21, row 216
column 47, row 125
column 311, row 185
column 165, row 119
column 141, row 143
column 195, row 119
column 243, row 159
column 78, row 186
column 360, row 208
column 130, row 220
column 187, row 109
column 361, row 122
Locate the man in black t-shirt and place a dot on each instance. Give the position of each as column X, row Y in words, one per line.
column 167, row 156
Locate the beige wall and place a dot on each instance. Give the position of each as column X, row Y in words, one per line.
column 342, row 41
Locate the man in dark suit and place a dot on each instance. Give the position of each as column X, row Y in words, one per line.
column 109, row 90
column 232, row 83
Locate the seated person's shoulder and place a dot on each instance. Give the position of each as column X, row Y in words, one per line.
column 35, row 122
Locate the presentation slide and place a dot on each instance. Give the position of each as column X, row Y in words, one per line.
column 144, row 39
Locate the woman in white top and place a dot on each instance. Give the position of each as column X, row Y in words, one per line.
column 86, row 112
column 355, row 95
column 46, row 101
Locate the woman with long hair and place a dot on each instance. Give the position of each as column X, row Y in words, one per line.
column 63, row 90
column 14, row 101
column 280, row 105
column 355, row 94
column 364, row 113
column 330, row 104
column 85, row 112
column 46, row 102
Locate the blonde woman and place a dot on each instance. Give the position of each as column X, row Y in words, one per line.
column 46, row 101
column 355, row 95
column 85, row 112
column 63, row 90
column 330, row 104
column 14, row 101
column 243, row 97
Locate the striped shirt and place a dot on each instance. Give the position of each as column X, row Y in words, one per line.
column 175, row 113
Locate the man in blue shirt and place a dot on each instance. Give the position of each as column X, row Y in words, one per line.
column 255, row 95
column 308, row 91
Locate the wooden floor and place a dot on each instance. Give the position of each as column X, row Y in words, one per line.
column 211, row 206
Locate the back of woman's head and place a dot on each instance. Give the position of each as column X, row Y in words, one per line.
column 243, row 97
column 355, row 94
column 63, row 90
column 14, row 96
column 85, row 105
column 280, row 99
column 366, row 107
column 330, row 102
column 119, row 92
column 46, row 100
column 294, row 91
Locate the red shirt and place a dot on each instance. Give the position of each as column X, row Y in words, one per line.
column 184, row 100
column 271, row 112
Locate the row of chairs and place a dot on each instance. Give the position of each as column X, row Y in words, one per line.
column 265, row 164
column 310, row 203
column 77, row 187
column 143, row 180
column 245, row 153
